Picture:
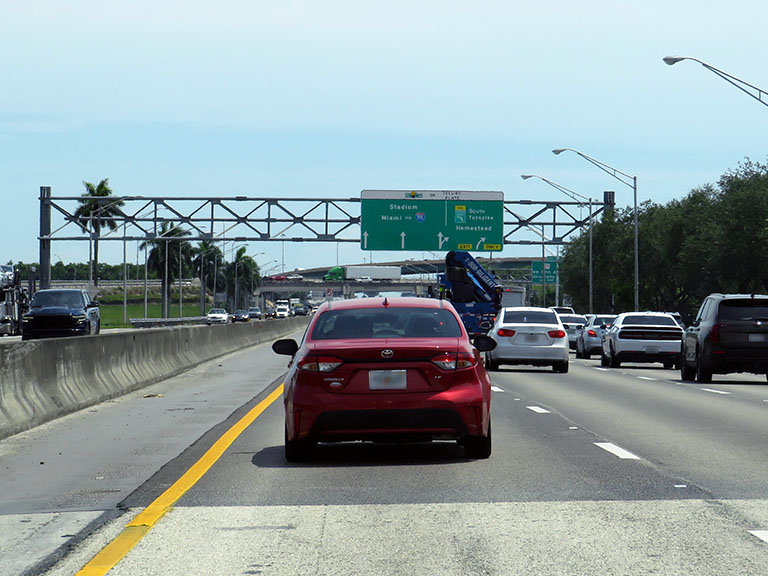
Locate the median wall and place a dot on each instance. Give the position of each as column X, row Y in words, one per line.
column 44, row 379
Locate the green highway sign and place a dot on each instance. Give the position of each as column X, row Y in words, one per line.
column 551, row 270
column 432, row 220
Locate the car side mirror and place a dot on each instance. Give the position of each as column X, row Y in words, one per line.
column 286, row 347
column 484, row 343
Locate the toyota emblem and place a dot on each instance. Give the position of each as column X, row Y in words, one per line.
column 387, row 353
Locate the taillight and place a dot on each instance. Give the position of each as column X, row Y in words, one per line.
column 592, row 333
column 714, row 334
column 505, row 332
column 556, row 333
column 449, row 361
column 320, row 363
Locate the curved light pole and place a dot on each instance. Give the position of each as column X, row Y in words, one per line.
column 579, row 198
column 745, row 87
column 627, row 180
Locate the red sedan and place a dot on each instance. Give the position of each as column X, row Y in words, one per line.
column 381, row 369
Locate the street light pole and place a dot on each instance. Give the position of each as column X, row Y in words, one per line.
column 745, row 87
column 579, row 198
column 627, row 180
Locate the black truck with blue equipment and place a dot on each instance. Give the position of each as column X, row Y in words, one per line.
column 473, row 291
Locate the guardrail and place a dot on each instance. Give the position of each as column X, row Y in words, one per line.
column 44, row 379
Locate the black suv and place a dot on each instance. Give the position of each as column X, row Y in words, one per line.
column 60, row 312
column 729, row 334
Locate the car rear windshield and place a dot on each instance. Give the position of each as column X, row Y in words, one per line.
column 649, row 320
column 56, row 298
column 362, row 323
column 573, row 319
column 529, row 317
column 744, row 309
column 608, row 320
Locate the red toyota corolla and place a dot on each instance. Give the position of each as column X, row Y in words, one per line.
column 382, row 369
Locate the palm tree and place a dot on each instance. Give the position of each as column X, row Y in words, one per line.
column 95, row 213
column 207, row 263
column 243, row 274
column 164, row 257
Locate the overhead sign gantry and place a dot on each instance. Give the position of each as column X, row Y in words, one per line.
column 432, row 220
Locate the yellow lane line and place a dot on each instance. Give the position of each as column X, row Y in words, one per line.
column 135, row 530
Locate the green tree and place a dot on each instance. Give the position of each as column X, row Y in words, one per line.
column 207, row 263
column 169, row 248
column 95, row 212
column 242, row 273
column 743, row 228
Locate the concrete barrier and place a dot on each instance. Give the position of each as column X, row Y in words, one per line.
column 44, row 379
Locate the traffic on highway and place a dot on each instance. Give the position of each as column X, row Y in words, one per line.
column 232, row 471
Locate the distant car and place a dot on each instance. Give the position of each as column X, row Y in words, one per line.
column 282, row 311
column 277, row 278
column 254, row 312
column 60, row 312
column 270, row 312
column 217, row 316
column 386, row 369
column 729, row 334
column 299, row 311
column 642, row 337
column 294, row 277
column 573, row 324
column 364, row 279
column 563, row 309
column 6, row 276
column 528, row 336
column 590, row 338
column 240, row 316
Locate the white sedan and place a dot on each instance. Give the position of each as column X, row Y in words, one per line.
column 530, row 336
column 217, row 316
column 642, row 337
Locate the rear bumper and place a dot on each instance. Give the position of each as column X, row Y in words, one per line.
column 450, row 414
column 635, row 356
column 530, row 355
column 729, row 361
column 647, row 350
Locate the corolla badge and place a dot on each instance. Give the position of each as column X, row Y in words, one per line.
column 387, row 353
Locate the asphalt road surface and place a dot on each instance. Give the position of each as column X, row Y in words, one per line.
column 598, row 471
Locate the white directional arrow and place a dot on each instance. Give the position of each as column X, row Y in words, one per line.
column 480, row 242
column 442, row 239
column 402, row 240
column 365, row 240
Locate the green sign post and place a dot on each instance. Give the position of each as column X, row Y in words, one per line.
column 438, row 220
column 550, row 267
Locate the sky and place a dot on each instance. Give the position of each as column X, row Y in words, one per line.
column 325, row 99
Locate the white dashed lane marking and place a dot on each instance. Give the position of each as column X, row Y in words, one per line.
column 538, row 409
column 714, row 391
column 497, row 389
column 762, row 534
column 616, row 451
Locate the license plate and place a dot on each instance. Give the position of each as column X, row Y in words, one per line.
column 758, row 338
column 651, row 349
column 387, row 379
column 532, row 338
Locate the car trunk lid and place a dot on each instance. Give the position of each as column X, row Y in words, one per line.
column 387, row 365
